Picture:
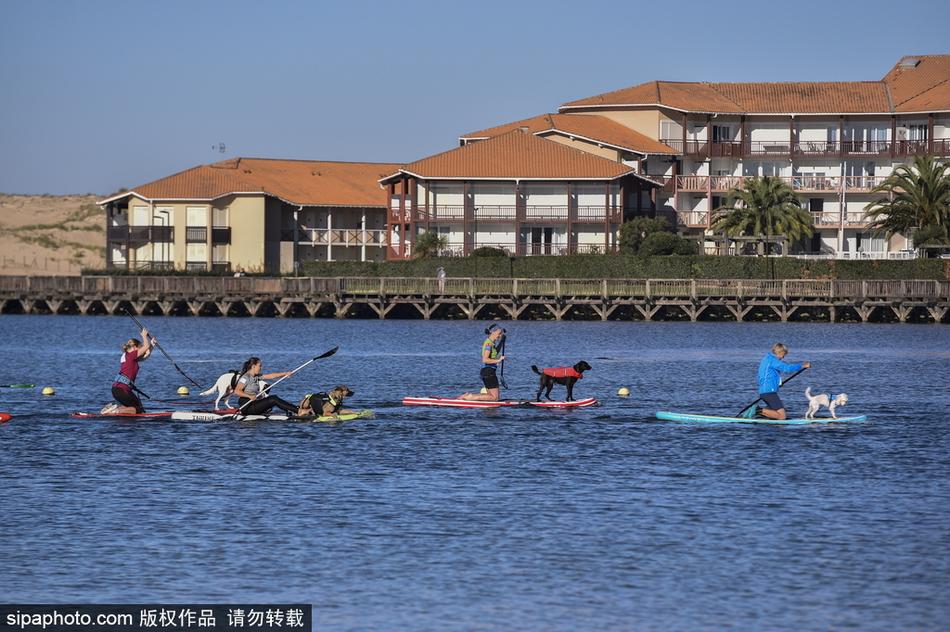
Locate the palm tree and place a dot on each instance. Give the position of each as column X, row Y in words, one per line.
column 763, row 207
column 429, row 244
column 917, row 202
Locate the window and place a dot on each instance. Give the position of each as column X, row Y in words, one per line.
column 722, row 133
column 816, row 205
column 197, row 216
column 220, row 217
column 918, row 132
column 197, row 253
column 670, row 130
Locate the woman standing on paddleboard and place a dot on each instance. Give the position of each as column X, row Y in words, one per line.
column 248, row 388
column 123, row 388
column 491, row 358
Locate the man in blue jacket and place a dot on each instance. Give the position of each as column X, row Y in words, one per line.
column 770, row 378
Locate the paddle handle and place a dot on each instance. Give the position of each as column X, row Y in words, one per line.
column 784, row 382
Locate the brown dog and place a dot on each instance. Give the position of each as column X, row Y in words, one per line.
column 565, row 376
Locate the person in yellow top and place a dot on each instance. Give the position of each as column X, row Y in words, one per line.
column 491, row 357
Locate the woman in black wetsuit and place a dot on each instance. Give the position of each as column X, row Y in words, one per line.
column 248, row 389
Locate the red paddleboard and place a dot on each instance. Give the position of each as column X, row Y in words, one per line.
column 5, row 417
column 162, row 415
column 458, row 403
column 158, row 415
column 577, row 403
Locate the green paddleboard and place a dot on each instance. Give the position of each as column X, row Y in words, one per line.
column 360, row 414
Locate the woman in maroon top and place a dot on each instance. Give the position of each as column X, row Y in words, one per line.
column 123, row 388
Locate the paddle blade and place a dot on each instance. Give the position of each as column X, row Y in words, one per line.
column 327, row 354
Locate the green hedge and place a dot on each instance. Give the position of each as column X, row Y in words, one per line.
column 633, row 267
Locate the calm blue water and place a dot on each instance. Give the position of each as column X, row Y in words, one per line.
column 425, row 519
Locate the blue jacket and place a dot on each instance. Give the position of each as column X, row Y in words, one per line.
column 770, row 370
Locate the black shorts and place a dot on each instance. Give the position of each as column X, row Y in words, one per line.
column 489, row 377
column 772, row 401
column 126, row 398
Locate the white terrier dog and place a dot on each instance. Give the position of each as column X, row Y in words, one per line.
column 224, row 387
column 815, row 402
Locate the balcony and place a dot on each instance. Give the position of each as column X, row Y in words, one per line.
column 826, row 219
column 196, row 234
column 692, row 219
column 801, row 183
column 532, row 213
column 141, row 234
column 220, row 235
column 336, row 236
column 196, row 266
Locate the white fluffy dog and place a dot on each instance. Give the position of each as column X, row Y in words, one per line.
column 224, row 389
column 815, row 402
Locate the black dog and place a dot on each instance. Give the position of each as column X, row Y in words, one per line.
column 565, row 376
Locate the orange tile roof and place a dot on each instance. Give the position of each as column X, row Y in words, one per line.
column 919, row 83
column 303, row 182
column 589, row 126
column 757, row 98
column 515, row 156
column 906, row 88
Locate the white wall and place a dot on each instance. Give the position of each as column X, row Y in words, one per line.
column 544, row 194
column 493, row 194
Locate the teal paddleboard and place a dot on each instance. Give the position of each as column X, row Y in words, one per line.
column 668, row 416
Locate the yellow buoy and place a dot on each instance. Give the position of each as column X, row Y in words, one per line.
column 183, row 390
column 624, row 392
column 48, row 390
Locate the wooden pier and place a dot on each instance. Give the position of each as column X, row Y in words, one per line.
column 471, row 298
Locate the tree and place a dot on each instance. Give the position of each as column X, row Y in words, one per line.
column 917, row 202
column 666, row 244
column 634, row 231
column 429, row 244
column 763, row 208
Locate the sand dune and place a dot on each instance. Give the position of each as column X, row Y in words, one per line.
column 51, row 234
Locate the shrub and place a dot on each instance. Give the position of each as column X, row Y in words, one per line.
column 488, row 251
column 633, row 232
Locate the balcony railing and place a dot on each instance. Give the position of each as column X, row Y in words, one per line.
column 336, row 236
column 221, row 235
column 692, row 219
column 804, row 183
column 141, row 234
column 533, row 213
column 196, row 266
column 785, row 148
column 196, row 234
column 826, row 219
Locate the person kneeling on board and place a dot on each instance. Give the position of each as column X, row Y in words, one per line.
column 770, row 379
column 123, row 387
column 248, row 390
column 492, row 356
column 325, row 404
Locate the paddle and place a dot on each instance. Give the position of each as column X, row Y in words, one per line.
column 501, row 351
column 17, row 385
column 758, row 399
column 177, row 368
column 326, row 354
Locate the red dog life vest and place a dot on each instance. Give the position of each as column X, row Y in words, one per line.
column 562, row 371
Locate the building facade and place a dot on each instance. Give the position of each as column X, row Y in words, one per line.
column 833, row 143
column 251, row 214
column 516, row 192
